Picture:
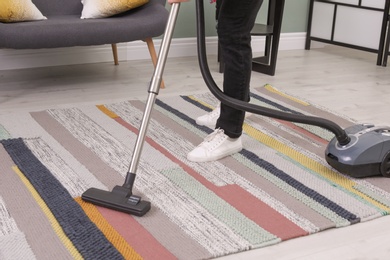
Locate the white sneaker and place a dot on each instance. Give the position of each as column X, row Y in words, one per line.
column 210, row 119
column 215, row 146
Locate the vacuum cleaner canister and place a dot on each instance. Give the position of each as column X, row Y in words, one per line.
column 367, row 153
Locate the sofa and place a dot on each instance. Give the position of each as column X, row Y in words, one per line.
column 64, row 27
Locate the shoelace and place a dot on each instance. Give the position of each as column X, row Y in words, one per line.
column 211, row 136
column 214, row 139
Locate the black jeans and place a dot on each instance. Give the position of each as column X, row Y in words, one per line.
column 235, row 22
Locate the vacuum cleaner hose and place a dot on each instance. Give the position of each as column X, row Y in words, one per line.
column 340, row 134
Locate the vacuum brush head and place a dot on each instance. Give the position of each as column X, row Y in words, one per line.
column 120, row 199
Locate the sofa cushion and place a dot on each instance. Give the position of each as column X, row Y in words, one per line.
column 107, row 8
column 70, row 30
column 19, row 11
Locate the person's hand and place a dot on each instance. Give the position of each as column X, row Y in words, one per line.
column 177, row 1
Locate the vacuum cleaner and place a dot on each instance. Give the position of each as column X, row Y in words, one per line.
column 121, row 198
column 358, row 151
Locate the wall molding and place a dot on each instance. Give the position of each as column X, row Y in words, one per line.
column 180, row 47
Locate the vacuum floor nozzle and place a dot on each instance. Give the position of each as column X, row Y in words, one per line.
column 120, row 199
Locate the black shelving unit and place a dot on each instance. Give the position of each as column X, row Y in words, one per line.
column 381, row 7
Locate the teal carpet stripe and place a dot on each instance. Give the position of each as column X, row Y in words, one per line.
column 3, row 133
column 86, row 237
column 222, row 210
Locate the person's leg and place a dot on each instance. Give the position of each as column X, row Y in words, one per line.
column 235, row 22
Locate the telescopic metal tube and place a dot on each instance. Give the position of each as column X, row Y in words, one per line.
column 153, row 89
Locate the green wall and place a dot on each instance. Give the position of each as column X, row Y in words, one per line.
column 294, row 19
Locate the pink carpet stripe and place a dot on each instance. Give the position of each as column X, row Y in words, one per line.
column 136, row 235
column 259, row 212
column 231, row 196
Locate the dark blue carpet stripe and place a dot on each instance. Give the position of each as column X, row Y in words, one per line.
column 274, row 104
column 340, row 211
column 86, row 237
column 269, row 167
column 196, row 103
column 183, row 116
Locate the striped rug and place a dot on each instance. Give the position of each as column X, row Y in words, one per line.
column 278, row 188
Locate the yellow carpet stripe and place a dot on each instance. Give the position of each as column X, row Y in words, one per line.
column 106, row 111
column 111, row 234
column 311, row 164
column 53, row 221
column 274, row 90
column 201, row 102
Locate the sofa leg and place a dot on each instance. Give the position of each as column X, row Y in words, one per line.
column 115, row 53
column 153, row 55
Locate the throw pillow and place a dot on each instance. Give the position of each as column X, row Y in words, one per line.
column 106, row 8
column 18, row 11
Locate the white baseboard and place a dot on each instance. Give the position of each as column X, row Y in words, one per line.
column 182, row 47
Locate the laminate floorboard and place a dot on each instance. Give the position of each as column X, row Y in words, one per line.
column 343, row 80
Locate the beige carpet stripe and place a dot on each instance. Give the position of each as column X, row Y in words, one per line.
column 13, row 243
column 14, row 247
column 23, row 205
column 87, row 158
column 7, row 223
column 93, row 137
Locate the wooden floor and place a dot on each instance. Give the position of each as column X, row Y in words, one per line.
column 343, row 80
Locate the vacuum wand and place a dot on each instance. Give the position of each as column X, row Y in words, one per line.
column 154, row 86
column 121, row 198
column 340, row 134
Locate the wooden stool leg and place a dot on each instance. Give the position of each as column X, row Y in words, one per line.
column 153, row 55
column 115, row 53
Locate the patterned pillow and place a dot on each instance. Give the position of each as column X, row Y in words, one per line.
column 106, row 8
column 18, row 11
